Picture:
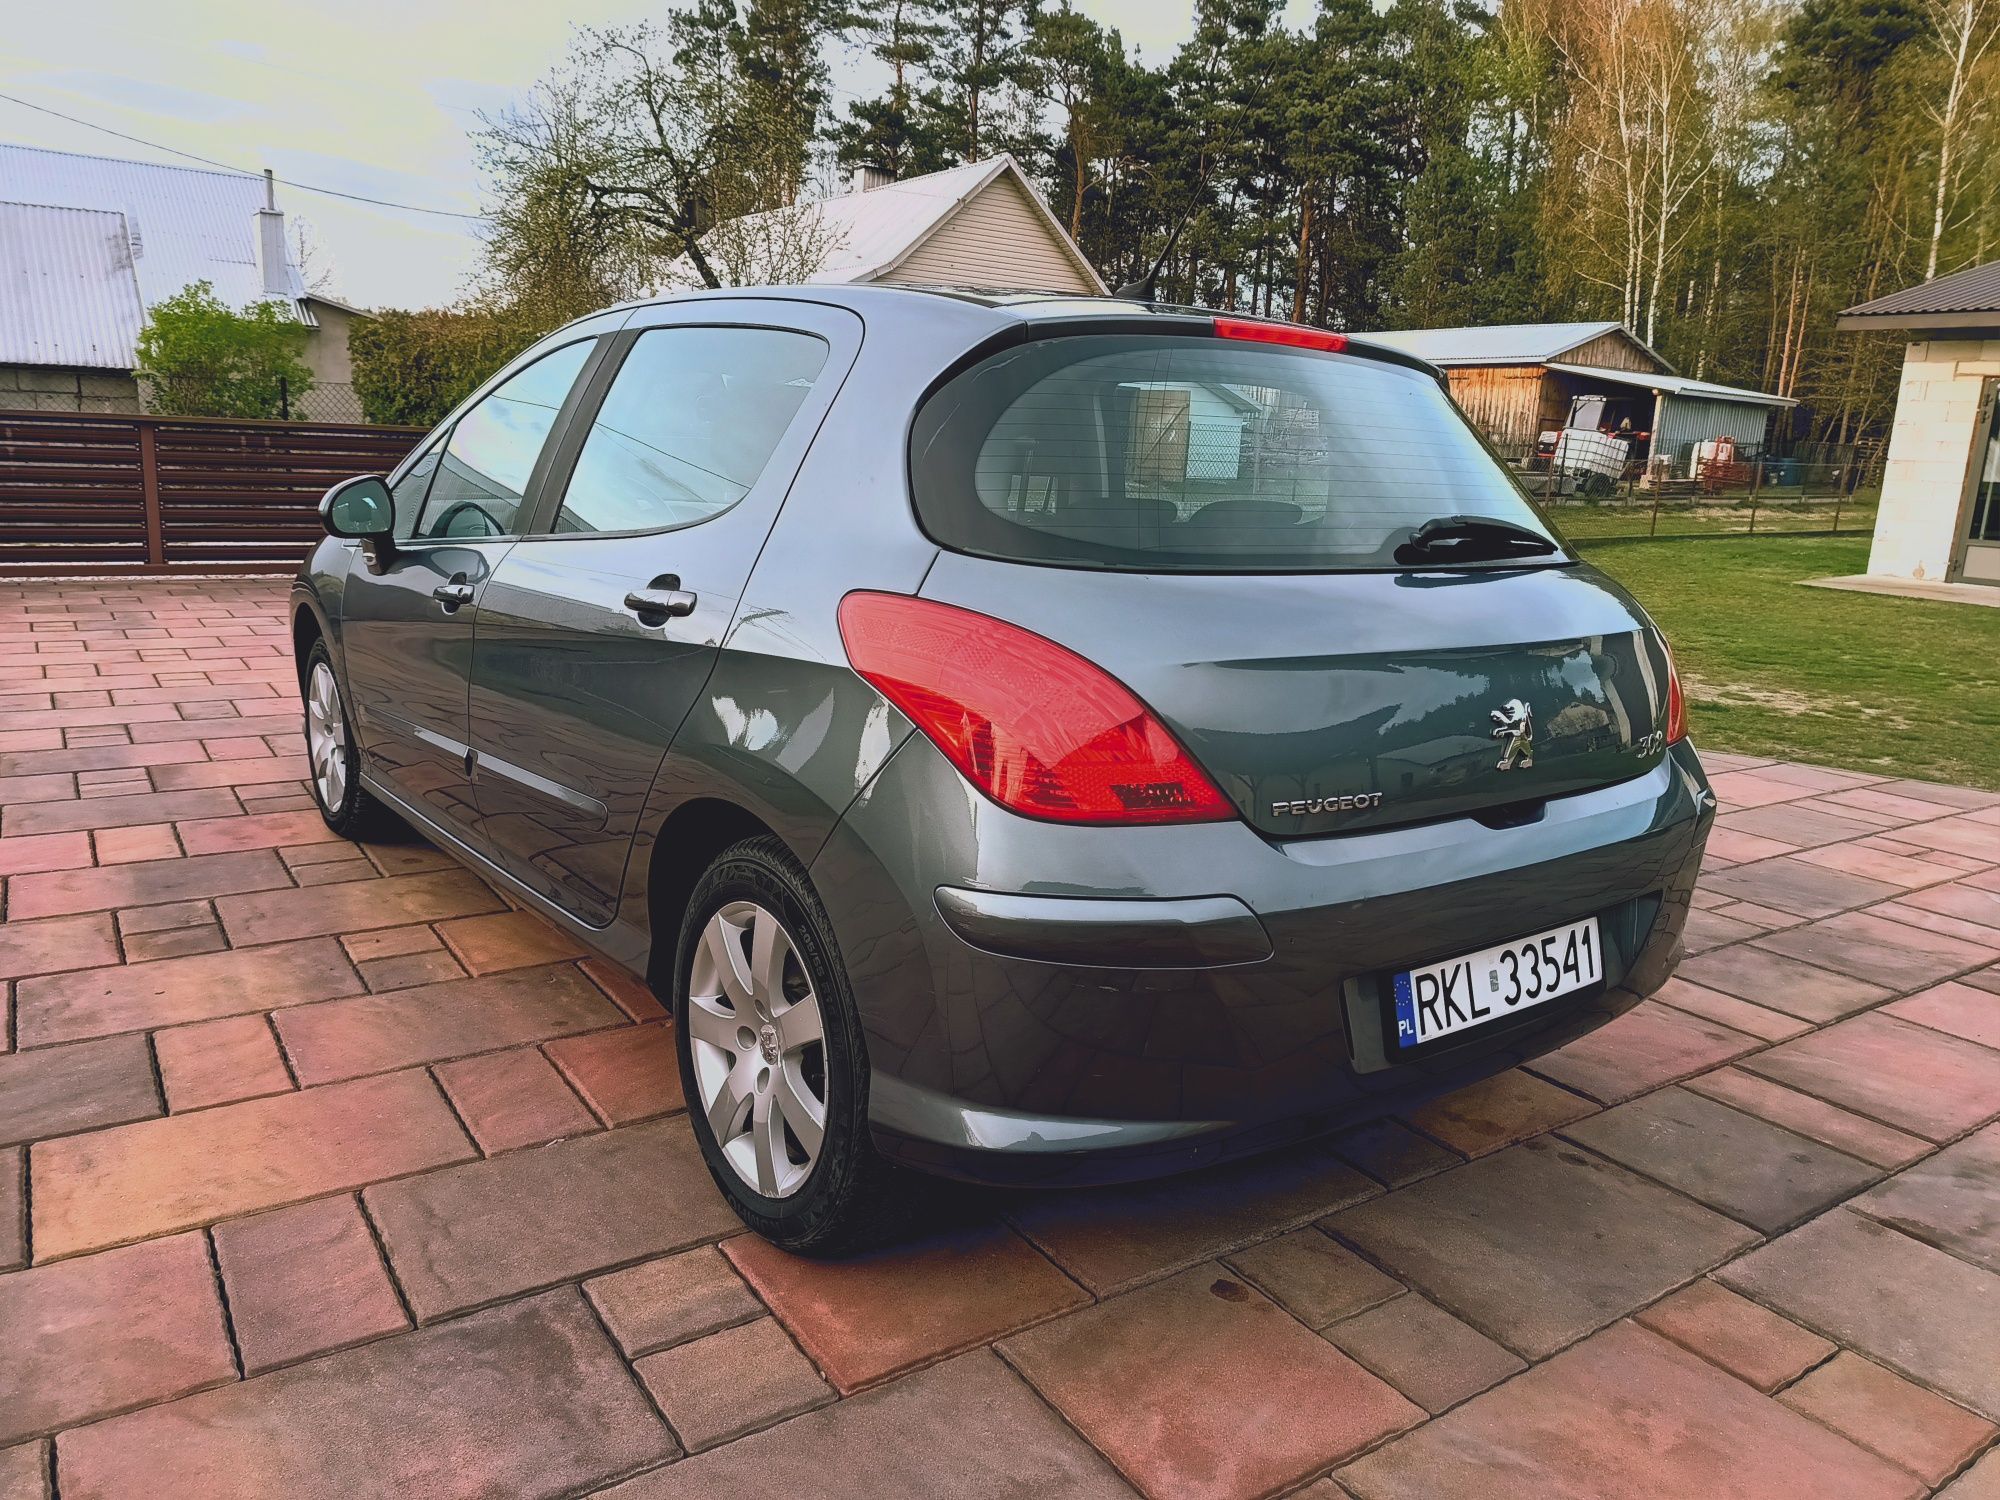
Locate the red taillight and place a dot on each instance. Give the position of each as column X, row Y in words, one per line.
column 1289, row 334
column 1031, row 724
column 1677, row 713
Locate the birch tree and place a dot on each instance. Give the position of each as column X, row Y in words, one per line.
column 1966, row 33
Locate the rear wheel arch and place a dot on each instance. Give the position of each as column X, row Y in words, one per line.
column 684, row 846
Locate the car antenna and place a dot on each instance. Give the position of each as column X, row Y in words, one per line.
column 1144, row 288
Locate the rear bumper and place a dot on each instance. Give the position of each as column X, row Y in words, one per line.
column 1060, row 1004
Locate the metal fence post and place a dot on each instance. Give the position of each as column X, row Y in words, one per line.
column 285, row 398
column 149, row 492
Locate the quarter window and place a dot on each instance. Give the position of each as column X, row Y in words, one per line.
column 493, row 448
column 408, row 492
column 687, row 426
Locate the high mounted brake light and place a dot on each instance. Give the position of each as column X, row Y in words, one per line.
column 1034, row 726
column 1257, row 331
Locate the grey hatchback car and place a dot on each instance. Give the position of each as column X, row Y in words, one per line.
column 1022, row 738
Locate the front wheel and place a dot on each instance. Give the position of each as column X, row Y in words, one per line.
column 332, row 755
column 772, row 1058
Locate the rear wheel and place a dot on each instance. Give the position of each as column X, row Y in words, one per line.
column 334, row 758
column 772, row 1059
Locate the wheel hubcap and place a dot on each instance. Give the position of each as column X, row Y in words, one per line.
column 326, row 737
column 756, row 1034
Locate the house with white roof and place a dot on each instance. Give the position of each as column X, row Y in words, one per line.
column 980, row 225
column 89, row 244
column 1516, row 381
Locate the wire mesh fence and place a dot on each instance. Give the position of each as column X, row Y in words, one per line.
column 322, row 401
column 277, row 400
column 121, row 395
column 1831, row 490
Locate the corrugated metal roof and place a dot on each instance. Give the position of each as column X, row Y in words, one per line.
column 1976, row 289
column 68, row 295
column 185, row 225
column 1674, row 385
column 1502, row 344
column 874, row 232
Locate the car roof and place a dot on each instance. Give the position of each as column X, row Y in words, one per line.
column 1009, row 307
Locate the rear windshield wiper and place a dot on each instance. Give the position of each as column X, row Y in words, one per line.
column 1454, row 539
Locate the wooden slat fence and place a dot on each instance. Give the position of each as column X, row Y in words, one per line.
column 89, row 493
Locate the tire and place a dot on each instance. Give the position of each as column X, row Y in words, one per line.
column 752, row 1080
column 334, row 760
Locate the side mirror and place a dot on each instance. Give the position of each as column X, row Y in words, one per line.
column 359, row 509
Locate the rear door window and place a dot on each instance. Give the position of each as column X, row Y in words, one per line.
column 1151, row 453
column 689, row 423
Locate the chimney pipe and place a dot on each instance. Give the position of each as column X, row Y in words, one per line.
column 868, row 176
column 270, row 232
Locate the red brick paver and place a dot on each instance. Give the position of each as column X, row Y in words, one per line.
column 1625, row 1414
column 529, row 1398
column 326, row 1170
column 131, row 1181
column 304, row 1280
column 1886, row 1414
column 513, row 1098
column 1750, row 1342
column 673, row 1299
column 1225, row 1424
column 732, row 1382
column 107, row 1333
column 877, row 1315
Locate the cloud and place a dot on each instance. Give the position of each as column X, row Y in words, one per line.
column 142, row 94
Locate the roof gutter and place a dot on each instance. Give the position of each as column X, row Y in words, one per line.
column 1980, row 321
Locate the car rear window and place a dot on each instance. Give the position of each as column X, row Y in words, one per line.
column 1149, row 453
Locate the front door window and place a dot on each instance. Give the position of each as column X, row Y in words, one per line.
column 492, row 451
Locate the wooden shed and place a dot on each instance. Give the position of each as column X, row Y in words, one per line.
column 1517, row 381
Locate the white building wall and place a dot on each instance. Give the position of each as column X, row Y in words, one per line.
column 1929, row 450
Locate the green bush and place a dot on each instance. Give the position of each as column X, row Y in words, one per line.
column 414, row 367
column 202, row 360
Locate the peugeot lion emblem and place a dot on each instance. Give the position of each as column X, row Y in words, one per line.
column 1514, row 727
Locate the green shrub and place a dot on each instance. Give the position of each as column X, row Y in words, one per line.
column 200, row 359
column 414, row 367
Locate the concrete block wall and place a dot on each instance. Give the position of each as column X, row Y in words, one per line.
column 46, row 388
column 1930, row 448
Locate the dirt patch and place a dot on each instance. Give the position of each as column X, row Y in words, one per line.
column 1787, row 701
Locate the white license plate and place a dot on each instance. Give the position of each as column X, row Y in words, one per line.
column 1460, row 993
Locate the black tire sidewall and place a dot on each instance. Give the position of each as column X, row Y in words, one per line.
column 763, row 871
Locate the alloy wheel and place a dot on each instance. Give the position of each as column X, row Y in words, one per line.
column 758, row 1045
column 326, row 737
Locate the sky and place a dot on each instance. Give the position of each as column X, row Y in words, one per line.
column 369, row 97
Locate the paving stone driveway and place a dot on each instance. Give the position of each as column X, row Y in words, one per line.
column 324, row 1172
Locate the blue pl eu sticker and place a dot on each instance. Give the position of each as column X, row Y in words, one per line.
column 1406, row 1013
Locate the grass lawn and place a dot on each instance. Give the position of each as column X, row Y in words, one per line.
column 1907, row 687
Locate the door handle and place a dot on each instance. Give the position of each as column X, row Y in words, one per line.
column 452, row 594
column 657, row 606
